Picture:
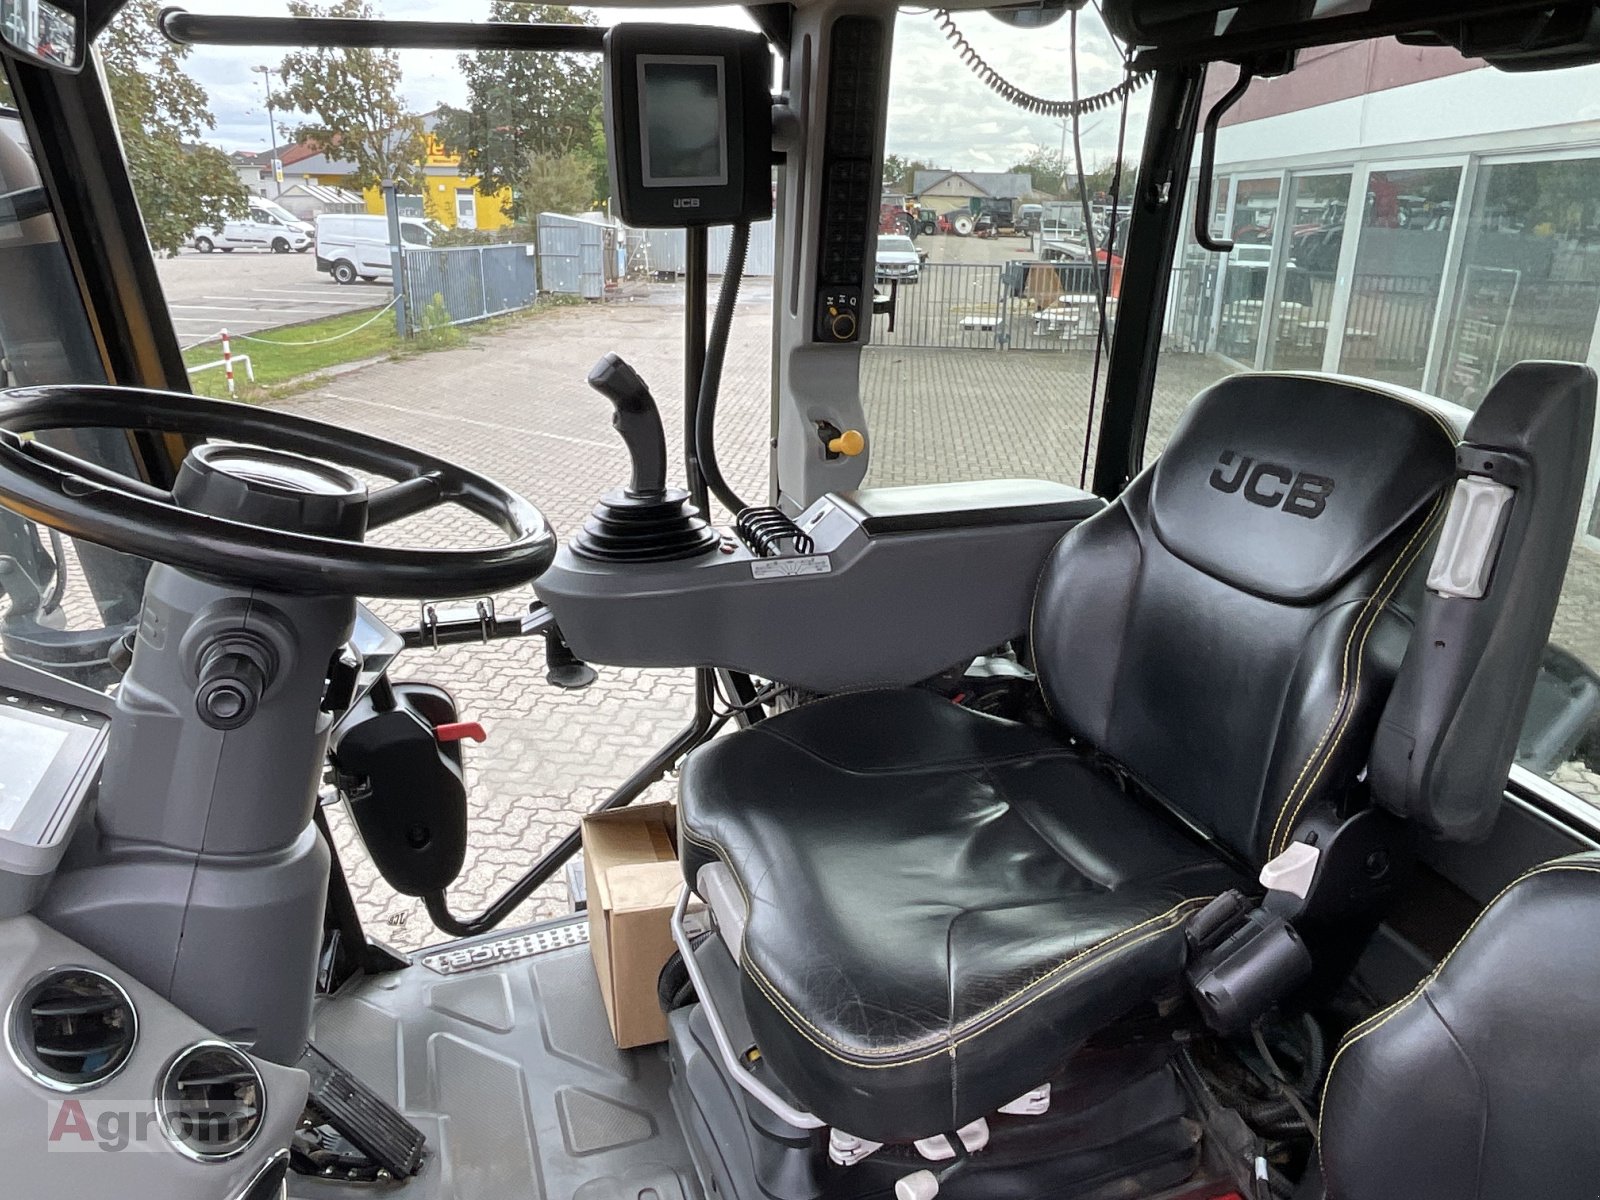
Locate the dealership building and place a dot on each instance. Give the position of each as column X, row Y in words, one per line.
column 1404, row 214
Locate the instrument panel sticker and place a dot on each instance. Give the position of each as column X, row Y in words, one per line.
column 777, row 568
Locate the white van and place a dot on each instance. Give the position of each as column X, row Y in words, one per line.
column 265, row 226
column 351, row 247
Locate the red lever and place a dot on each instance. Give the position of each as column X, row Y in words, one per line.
column 458, row 731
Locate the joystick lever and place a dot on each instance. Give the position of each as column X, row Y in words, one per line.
column 646, row 521
column 637, row 419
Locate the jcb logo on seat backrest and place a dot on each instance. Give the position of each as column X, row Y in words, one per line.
column 1272, row 485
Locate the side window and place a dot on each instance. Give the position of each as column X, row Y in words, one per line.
column 44, row 333
column 64, row 602
column 1436, row 271
column 982, row 345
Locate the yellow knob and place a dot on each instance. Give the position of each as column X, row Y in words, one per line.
column 849, row 443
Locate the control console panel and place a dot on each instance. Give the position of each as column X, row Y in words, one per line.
column 805, row 604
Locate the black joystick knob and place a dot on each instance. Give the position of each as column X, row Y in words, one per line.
column 234, row 674
column 637, row 419
column 646, row 521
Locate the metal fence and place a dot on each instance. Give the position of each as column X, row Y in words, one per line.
column 1552, row 319
column 663, row 253
column 1019, row 305
column 1390, row 323
column 468, row 283
column 572, row 256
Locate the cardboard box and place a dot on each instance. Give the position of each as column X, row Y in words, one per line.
column 630, row 863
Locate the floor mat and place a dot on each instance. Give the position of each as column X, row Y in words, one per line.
column 510, row 1071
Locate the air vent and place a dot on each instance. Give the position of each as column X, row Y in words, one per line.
column 212, row 1101
column 72, row 1028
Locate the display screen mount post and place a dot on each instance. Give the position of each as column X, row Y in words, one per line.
column 688, row 125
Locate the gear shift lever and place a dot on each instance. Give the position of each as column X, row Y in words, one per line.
column 646, row 521
column 638, row 421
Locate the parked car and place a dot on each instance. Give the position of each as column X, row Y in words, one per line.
column 264, row 226
column 356, row 246
column 1030, row 218
column 898, row 259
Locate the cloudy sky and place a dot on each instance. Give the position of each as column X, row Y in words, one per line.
column 938, row 110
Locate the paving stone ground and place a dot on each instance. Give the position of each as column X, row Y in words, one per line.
column 514, row 405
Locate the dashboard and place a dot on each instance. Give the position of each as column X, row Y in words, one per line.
column 94, row 1061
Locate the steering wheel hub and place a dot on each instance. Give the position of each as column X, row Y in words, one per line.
column 272, row 488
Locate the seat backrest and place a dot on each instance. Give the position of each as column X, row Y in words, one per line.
column 1228, row 629
column 1482, row 1082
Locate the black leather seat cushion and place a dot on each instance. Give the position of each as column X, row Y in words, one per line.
column 942, row 905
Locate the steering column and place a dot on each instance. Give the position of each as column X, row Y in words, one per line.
column 204, row 874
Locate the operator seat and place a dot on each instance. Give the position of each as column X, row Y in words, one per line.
column 942, row 906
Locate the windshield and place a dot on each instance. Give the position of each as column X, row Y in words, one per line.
column 896, row 245
column 479, row 350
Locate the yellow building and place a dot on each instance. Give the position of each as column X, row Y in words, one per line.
column 449, row 197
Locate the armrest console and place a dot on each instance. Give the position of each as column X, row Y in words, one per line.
column 898, row 585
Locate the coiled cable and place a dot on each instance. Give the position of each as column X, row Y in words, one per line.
column 1025, row 100
column 762, row 529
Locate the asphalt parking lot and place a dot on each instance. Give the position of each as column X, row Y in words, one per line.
column 251, row 290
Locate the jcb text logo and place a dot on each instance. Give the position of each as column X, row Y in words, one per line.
column 1272, row 485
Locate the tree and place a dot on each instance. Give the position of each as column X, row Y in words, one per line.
column 1101, row 178
column 1051, row 170
column 353, row 98
column 161, row 112
column 899, row 174
column 550, row 182
column 523, row 104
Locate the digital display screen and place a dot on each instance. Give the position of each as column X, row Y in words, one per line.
column 684, row 101
column 27, row 751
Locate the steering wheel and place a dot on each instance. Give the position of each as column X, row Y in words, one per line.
column 99, row 505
